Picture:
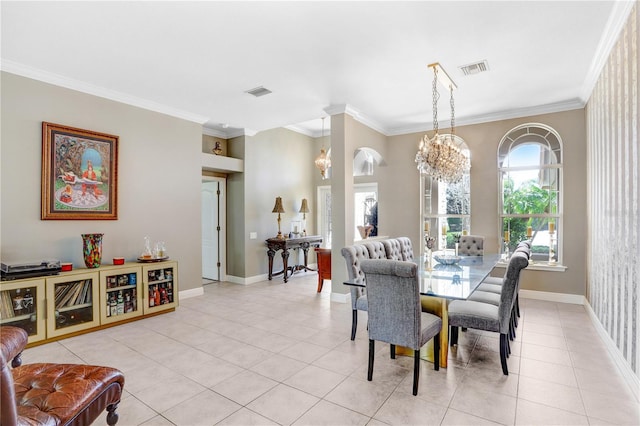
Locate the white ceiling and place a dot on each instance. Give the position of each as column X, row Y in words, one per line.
column 195, row 60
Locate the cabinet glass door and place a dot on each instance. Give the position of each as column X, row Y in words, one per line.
column 120, row 294
column 160, row 287
column 22, row 305
column 73, row 308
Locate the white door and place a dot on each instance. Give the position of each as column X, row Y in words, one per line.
column 213, row 242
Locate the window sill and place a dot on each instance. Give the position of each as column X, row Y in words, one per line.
column 538, row 266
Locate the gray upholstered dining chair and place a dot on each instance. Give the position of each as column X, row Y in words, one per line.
column 494, row 284
column 376, row 249
column 490, row 293
column 406, row 248
column 471, row 245
column 487, row 316
column 392, row 248
column 398, row 248
column 395, row 312
column 353, row 256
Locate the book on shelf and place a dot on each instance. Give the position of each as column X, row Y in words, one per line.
column 6, row 305
column 85, row 294
column 61, row 294
column 69, row 295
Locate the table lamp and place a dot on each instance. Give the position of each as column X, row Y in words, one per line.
column 278, row 209
column 304, row 209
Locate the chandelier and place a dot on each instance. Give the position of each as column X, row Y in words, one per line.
column 439, row 156
column 323, row 162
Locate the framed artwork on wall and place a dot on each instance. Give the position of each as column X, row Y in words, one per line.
column 79, row 174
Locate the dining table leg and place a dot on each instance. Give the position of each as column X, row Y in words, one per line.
column 439, row 307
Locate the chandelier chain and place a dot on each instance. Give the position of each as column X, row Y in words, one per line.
column 453, row 113
column 439, row 156
column 435, row 97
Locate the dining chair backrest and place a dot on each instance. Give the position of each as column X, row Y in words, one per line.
column 394, row 302
column 406, row 248
column 392, row 249
column 524, row 247
column 353, row 255
column 471, row 245
column 376, row 249
column 518, row 261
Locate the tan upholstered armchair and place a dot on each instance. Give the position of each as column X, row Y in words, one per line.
column 53, row 394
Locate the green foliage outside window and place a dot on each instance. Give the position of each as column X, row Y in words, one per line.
column 531, row 199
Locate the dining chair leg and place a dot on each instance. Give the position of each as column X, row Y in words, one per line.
column 504, row 344
column 416, row 370
column 392, row 350
column 453, row 336
column 436, row 352
column 512, row 331
column 354, row 324
column 372, row 349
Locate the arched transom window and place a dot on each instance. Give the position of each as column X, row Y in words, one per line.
column 530, row 166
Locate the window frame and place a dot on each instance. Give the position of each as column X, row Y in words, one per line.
column 548, row 137
column 430, row 185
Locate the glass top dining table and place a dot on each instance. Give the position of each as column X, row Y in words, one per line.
column 451, row 282
column 440, row 284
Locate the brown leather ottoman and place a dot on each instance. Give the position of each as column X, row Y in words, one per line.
column 54, row 394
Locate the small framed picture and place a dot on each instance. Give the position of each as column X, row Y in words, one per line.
column 79, row 174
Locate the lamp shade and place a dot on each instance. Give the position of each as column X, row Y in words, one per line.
column 278, row 206
column 304, row 208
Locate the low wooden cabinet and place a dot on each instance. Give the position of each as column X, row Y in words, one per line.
column 79, row 301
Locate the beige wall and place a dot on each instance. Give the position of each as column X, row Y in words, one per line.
column 277, row 163
column 399, row 200
column 158, row 179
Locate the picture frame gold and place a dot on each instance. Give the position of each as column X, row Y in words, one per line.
column 79, row 174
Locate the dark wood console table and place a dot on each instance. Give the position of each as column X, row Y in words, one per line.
column 275, row 244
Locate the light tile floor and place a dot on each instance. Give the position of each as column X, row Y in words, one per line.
column 274, row 353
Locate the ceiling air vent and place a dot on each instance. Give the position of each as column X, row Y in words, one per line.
column 258, row 91
column 475, row 68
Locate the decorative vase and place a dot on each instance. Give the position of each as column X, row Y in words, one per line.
column 92, row 249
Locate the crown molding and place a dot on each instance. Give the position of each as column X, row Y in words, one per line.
column 615, row 24
column 358, row 116
column 69, row 83
column 235, row 133
column 214, row 132
column 300, row 130
column 495, row 116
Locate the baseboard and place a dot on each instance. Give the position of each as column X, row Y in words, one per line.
column 247, row 280
column 575, row 299
column 341, row 297
column 192, row 292
column 623, row 365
